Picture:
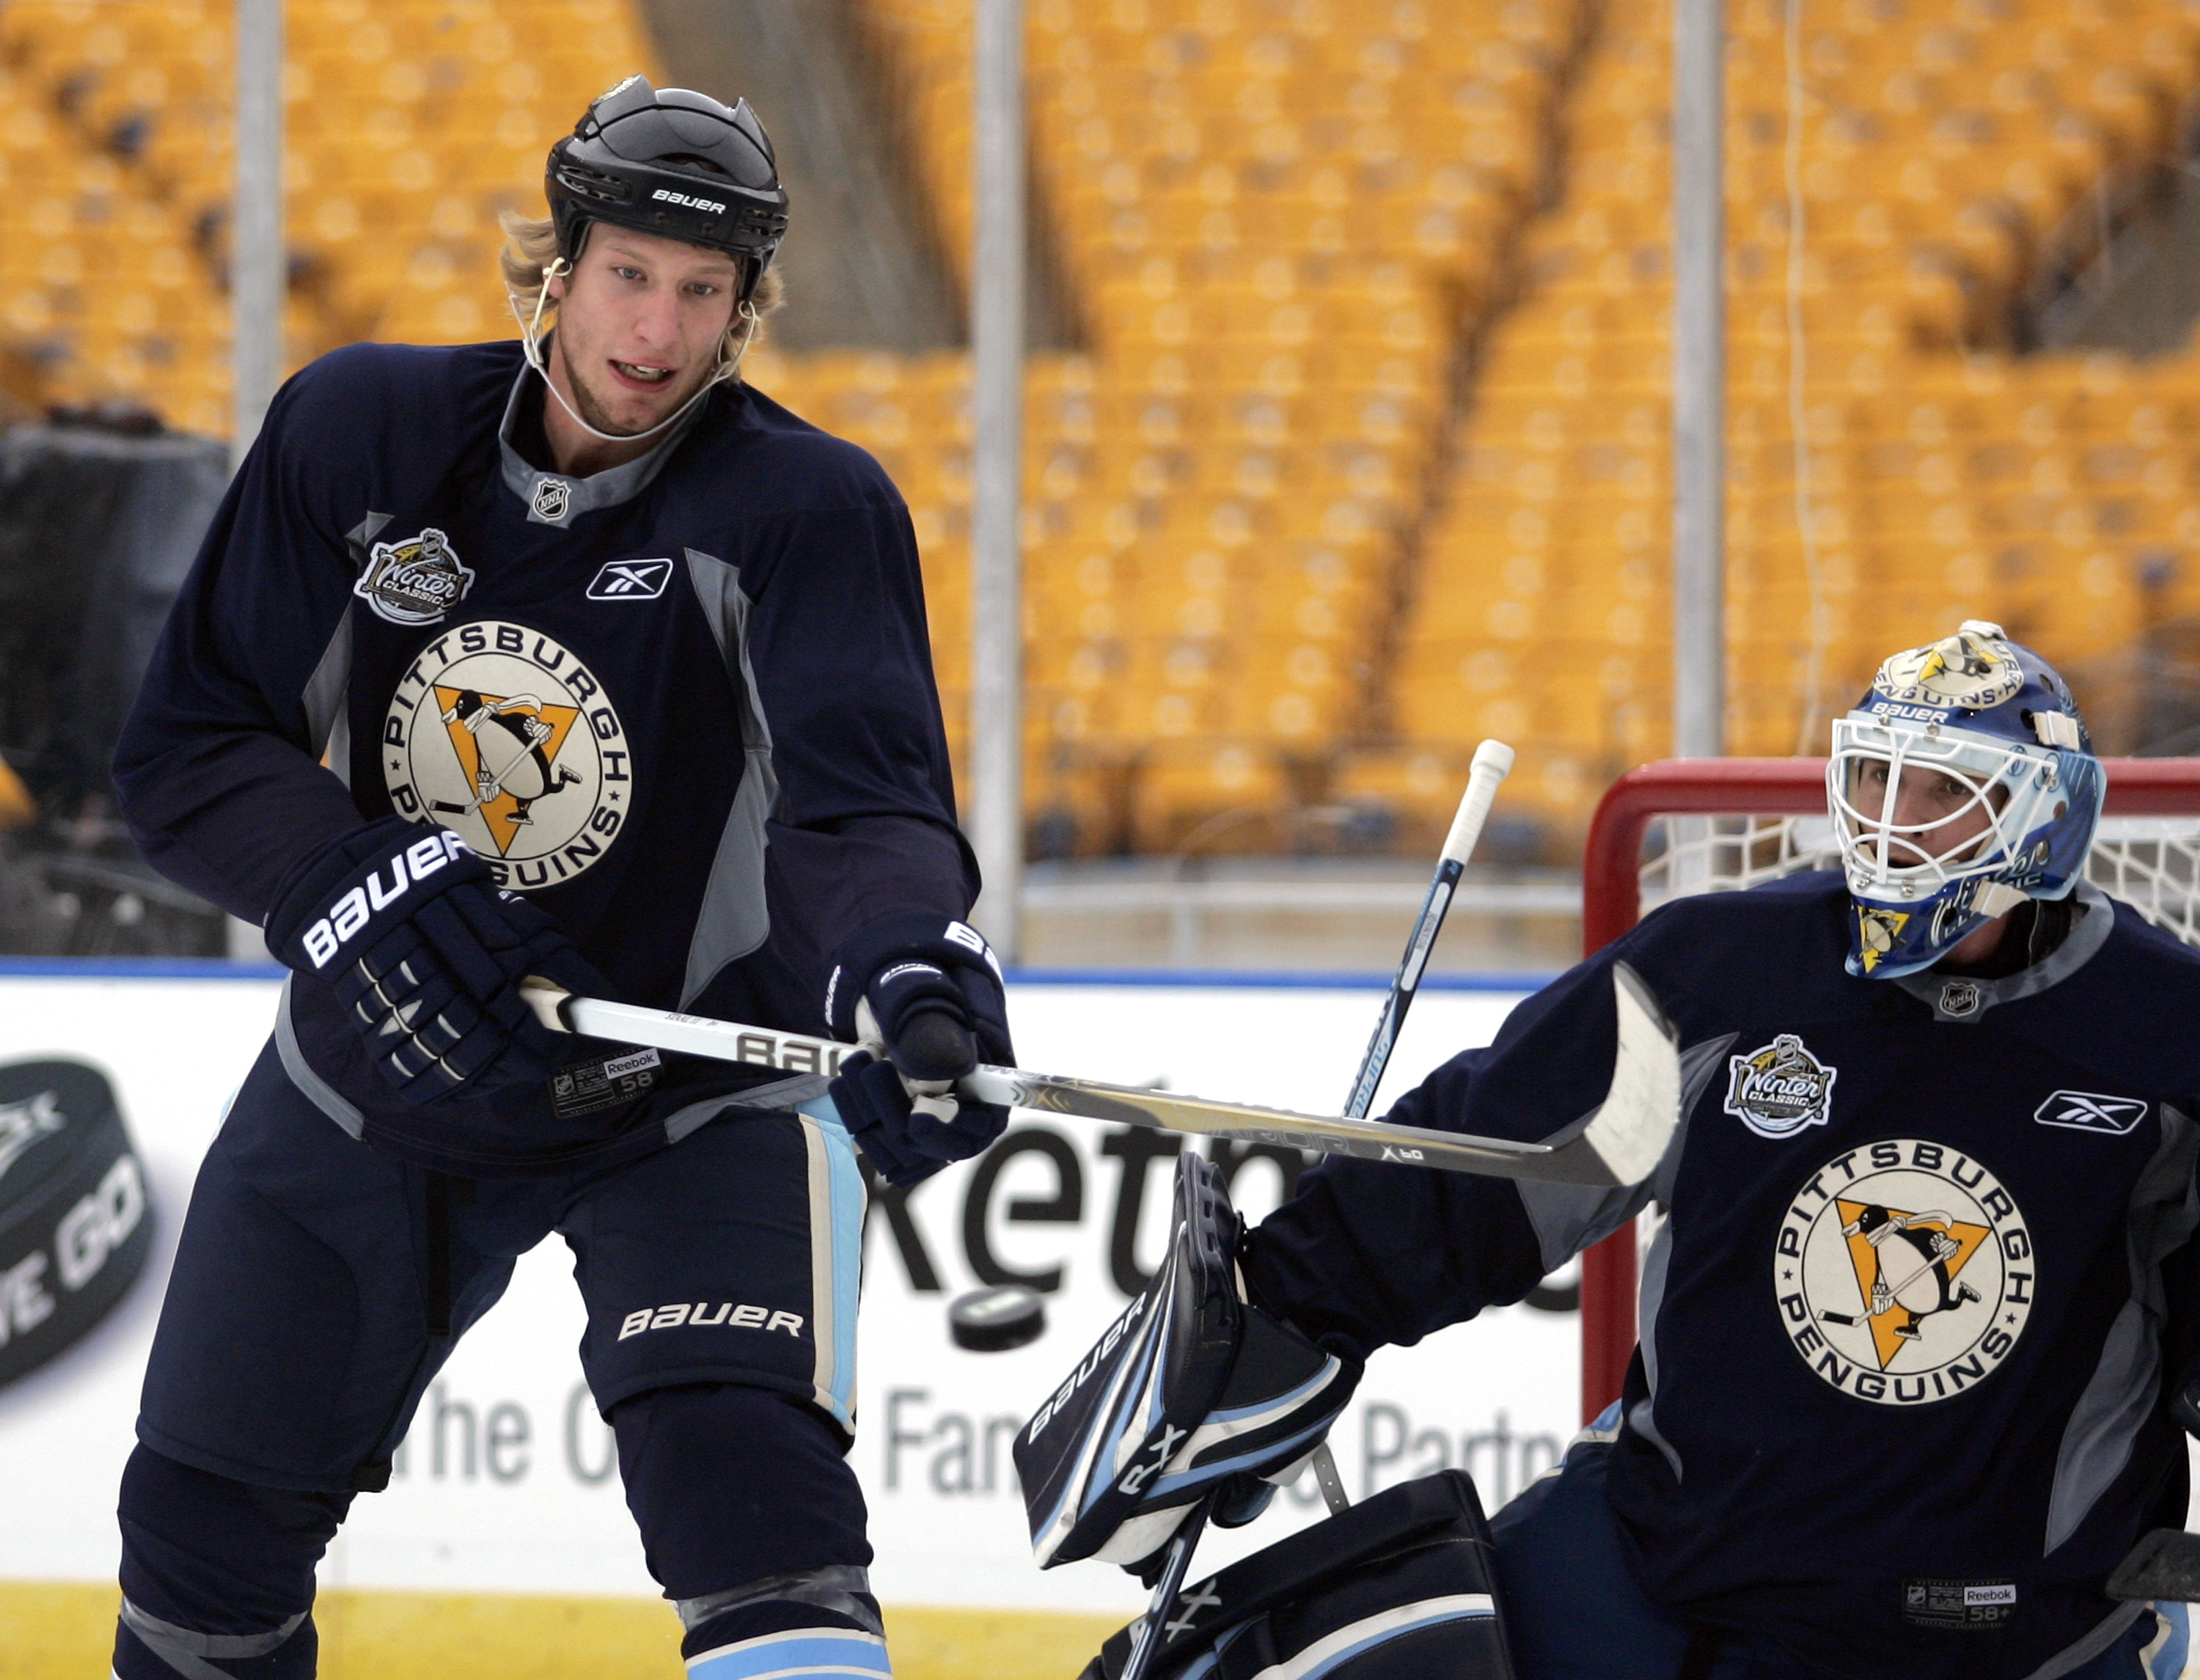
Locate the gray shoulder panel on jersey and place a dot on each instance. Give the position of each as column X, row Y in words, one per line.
column 328, row 718
column 1580, row 1217
column 733, row 919
column 1642, row 1417
column 1569, row 1218
column 2126, row 1384
column 316, row 1090
column 2085, row 940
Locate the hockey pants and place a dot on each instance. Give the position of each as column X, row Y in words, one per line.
column 318, row 1286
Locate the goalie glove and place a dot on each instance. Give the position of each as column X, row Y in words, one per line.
column 922, row 995
column 1192, row 1388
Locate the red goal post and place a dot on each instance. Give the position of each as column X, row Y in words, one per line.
column 1723, row 823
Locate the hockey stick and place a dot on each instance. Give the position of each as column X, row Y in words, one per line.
column 1620, row 1143
column 1493, row 761
column 1176, row 1562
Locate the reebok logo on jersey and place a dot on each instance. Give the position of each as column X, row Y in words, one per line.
column 349, row 913
column 1779, row 1089
column 694, row 1316
column 630, row 579
column 2090, row 1111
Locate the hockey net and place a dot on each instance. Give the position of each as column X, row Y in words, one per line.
column 1717, row 825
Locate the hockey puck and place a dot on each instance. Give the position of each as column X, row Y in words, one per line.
column 73, row 1221
column 993, row 1320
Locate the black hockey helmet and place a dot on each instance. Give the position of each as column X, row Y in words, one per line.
column 675, row 163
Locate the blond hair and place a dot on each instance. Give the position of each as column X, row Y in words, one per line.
column 531, row 245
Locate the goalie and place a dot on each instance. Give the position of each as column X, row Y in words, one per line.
column 1899, row 1406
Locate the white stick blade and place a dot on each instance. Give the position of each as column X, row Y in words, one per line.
column 1641, row 1111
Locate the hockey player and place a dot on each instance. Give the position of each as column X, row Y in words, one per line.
column 573, row 657
column 1897, row 1409
column 1900, row 1403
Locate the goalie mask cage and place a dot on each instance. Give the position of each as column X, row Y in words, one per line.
column 1708, row 825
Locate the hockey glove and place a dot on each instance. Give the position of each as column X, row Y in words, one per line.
column 1192, row 1389
column 406, row 925
column 922, row 995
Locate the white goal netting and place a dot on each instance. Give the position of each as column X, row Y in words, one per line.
column 2150, row 862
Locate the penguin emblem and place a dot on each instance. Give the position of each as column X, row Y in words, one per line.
column 505, row 737
column 1903, row 1273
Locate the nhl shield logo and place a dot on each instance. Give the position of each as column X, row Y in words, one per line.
column 414, row 581
column 1960, row 999
column 554, row 499
column 1779, row 1089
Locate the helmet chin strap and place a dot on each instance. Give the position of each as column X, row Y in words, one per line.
column 531, row 339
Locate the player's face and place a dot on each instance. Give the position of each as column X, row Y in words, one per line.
column 1935, row 815
column 640, row 320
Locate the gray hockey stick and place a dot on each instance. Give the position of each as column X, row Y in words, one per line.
column 1619, row 1143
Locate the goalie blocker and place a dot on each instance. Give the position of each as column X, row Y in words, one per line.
column 1192, row 1390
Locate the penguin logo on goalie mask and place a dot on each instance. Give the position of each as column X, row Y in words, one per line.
column 1967, row 671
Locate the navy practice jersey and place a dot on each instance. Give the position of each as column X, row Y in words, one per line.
column 1898, row 1397
column 685, row 705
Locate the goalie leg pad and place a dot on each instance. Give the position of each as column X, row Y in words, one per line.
column 1401, row 1587
column 1189, row 1389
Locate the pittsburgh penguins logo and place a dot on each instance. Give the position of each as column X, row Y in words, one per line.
column 1970, row 670
column 504, row 737
column 1904, row 1273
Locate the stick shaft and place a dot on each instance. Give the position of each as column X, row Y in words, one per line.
column 1492, row 760
column 1154, row 1624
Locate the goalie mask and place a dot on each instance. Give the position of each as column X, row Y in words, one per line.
column 1962, row 784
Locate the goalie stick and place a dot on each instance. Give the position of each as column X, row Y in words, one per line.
column 1493, row 762
column 1619, row 1143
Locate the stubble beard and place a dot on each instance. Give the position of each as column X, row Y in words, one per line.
column 594, row 412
